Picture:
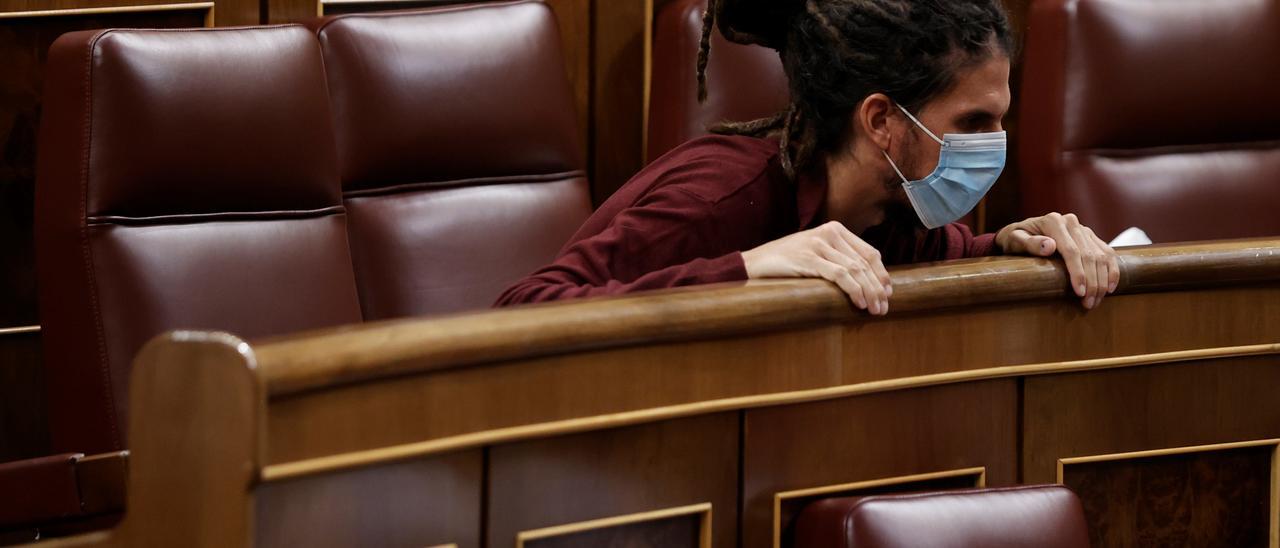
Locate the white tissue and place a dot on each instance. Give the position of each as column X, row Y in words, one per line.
column 1130, row 237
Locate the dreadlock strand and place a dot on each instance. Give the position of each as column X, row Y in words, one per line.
column 704, row 47
column 784, row 144
column 755, row 128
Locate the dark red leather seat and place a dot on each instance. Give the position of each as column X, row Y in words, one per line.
column 1044, row 516
column 186, row 179
column 743, row 82
column 1160, row 115
column 461, row 164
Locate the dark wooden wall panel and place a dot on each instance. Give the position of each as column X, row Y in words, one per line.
column 1157, row 408
column 1202, row 498
column 426, row 502
column 571, row 479
column 874, row 437
column 676, row 532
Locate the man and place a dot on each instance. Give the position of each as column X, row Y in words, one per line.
column 893, row 133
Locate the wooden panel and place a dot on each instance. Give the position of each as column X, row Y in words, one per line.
column 1057, row 331
column 574, row 19
column 1152, row 408
column 1215, row 496
column 1002, row 206
column 683, row 531
column 465, row 400
column 24, row 421
column 617, row 120
column 416, row 503
column 873, row 437
column 688, row 526
column 1144, row 408
column 558, row 481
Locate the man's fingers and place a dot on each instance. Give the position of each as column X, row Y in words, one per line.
column 841, row 276
column 860, row 273
column 1054, row 226
column 1113, row 264
column 1031, row 244
column 1098, row 259
column 1094, row 273
column 869, row 254
column 877, row 301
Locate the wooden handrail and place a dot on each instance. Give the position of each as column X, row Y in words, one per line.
column 309, row 361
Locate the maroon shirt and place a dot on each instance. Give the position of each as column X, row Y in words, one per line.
column 686, row 218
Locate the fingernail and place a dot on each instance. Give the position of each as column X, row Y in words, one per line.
column 1080, row 290
column 888, row 290
column 1112, row 289
column 885, row 306
column 1088, row 303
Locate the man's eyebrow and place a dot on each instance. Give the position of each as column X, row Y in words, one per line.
column 978, row 114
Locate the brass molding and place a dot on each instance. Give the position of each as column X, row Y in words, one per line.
column 112, row 9
column 703, row 509
column 979, row 471
column 20, row 330
column 369, row 457
column 1275, row 468
column 647, row 86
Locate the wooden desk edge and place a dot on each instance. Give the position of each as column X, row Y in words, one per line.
column 321, row 359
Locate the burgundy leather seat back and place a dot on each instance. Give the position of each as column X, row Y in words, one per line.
column 187, row 179
column 1154, row 114
column 460, row 159
column 1045, row 516
column 743, row 82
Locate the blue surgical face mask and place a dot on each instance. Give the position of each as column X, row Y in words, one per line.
column 967, row 167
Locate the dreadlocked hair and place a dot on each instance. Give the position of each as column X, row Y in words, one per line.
column 837, row 52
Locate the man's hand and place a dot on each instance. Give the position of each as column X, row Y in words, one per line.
column 1092, row 264
column 830, row 252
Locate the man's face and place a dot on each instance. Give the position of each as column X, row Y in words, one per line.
column 976, row 103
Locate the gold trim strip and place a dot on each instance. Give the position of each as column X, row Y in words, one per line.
column 20, row 330
column 1164, row 452
column 110, row 9
column 1274, row 534
column 307, row 467
column 560, row 530
column 647, row 90
column 980, row 471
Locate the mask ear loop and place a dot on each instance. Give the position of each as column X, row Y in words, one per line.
column 895, row 168
column 920, row 125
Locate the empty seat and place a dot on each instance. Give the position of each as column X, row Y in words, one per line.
column 1044, row 516
column 461, row 164
column 743, row 82
column 186, row 179
column 1155, row 114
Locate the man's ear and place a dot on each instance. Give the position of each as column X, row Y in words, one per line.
column 874, row 119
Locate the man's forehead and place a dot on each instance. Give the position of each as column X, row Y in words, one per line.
column 979, row 88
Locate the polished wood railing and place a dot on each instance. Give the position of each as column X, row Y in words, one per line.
column 695, row 416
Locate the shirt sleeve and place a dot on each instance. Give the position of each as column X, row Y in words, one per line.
column 668, row 239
